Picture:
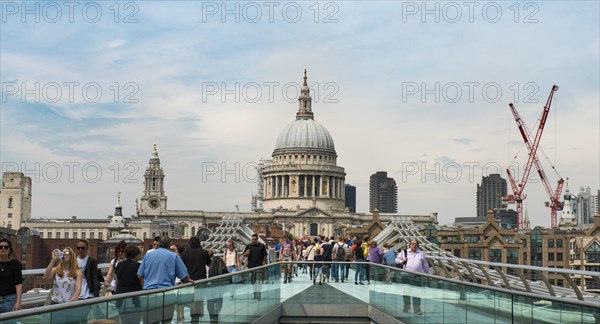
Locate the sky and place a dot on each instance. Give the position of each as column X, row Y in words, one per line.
column 417, row 89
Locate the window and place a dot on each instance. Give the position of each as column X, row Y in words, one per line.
column 550, row 256
column 559, row 243
column 512, row 256
column 472, row 238
column 591, row 284
column 91, row 235
column 550, row 243
column 536, row 247
column 475, row 254
column 74, row 235
column 559, row 256
column 9, row 215
column 41, row 234
column 49, row 235
column 592, row 253
column 57, row 235
column 100, row 235
column 10, row 201
column 524, row 243
column 66, row 235
column 495, row 255
column 145, row 234
column 83, row 234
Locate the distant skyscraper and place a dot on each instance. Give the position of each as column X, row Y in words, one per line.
column 490, row 193
column 350, row 191
column 383, row 193
column 584, row 206
column 596, row 204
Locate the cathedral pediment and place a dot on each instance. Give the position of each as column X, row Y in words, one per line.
column 314, row 212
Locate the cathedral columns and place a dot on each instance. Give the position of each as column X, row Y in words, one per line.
column 335, row 189
column 305, row 185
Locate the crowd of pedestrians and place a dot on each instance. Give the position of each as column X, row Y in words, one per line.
column 76, row 276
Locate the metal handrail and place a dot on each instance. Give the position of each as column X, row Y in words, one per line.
column 57, row 307
column 519, row 266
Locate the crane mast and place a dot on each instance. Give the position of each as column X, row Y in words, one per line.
column 532, row 147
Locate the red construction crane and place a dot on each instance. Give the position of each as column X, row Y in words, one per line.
column 532, row 147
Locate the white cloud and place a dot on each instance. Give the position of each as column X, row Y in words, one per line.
column 171, row 53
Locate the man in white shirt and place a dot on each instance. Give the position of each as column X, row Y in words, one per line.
column 415, row 261
column 90, row 284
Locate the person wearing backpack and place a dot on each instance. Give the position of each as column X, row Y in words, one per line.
column 366, row 245
column 214, row 303
column 358, row 257
column 339, row 250
column 349, row 256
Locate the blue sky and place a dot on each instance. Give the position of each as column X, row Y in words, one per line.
column 364, row 60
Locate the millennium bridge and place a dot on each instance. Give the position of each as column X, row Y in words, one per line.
column 457, row 291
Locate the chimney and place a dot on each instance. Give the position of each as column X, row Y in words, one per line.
column 490, row 216
column 375, row 215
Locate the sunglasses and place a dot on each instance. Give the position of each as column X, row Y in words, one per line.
column 4, row 247
column 80, row 248
column 66, row 252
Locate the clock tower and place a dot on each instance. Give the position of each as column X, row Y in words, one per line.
column 154, row 201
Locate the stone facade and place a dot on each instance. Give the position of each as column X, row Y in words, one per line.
column 562, row 248
column 15, row 200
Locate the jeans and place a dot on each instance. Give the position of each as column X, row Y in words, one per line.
column 7, row 303
column 334, row 271
column 359, row 274
column 317, row 272
column 341, row 271
column 232, row 269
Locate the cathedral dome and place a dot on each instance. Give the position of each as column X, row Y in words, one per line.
column 305, row 135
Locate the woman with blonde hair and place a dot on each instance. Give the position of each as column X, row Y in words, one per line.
column 67, row 276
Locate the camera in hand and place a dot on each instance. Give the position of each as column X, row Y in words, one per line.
column 58, row 253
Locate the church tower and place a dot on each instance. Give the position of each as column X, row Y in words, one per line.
column 154, row 201
column 567, row 219
column 117, row 221
column 15, row 200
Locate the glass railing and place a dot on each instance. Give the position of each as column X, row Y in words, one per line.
column 419, row 298
column 232, row 298
column 248, row 295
